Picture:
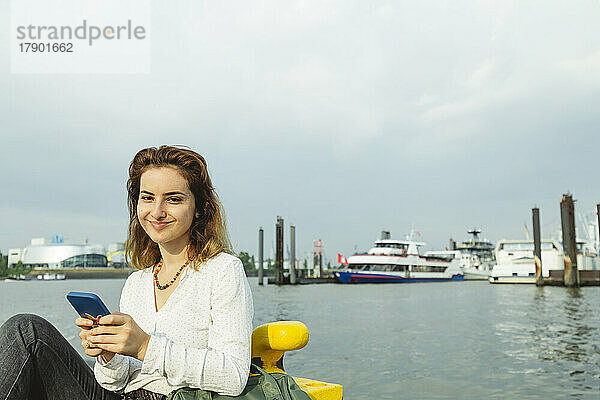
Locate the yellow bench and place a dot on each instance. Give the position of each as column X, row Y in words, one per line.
column 269, row 344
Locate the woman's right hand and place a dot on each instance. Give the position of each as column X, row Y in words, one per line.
column 86, row 324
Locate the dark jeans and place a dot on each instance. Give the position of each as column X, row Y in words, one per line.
column 37, row 362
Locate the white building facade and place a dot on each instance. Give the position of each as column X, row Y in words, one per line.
column 58, row 255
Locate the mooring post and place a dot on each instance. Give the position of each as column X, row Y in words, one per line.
column 537, row 247
column 292, row 254
column 315, row 263
column 567, row 216
column 321, row 264
column 260, row 256
column 598, row 214
column 279, row 251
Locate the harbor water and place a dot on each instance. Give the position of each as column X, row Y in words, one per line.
column 452, row 340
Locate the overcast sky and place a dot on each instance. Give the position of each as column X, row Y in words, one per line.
column 344, row 117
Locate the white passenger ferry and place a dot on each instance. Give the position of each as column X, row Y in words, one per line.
column 398, row 261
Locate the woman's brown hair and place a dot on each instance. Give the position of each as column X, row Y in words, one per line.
column 208, row 233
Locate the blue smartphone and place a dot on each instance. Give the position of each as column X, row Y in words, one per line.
column 88, row 305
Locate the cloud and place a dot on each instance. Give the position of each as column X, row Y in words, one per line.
column 583, row 70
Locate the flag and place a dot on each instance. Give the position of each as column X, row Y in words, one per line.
column 418, row 233
column 342, row 260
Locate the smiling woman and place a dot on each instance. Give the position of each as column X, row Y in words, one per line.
column 166, row 216
column 172, row 186
column 185, row 316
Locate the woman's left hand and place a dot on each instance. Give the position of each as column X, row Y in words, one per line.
column 120, row 334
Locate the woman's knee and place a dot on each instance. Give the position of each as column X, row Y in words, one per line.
column 20, row 319
column 24, row 325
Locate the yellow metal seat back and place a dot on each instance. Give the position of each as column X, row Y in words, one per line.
column 269, row 344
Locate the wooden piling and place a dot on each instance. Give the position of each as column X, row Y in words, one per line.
column 537, row 247
column 279, row 251
column 321, row 265
column 260, row 256
column 292, row 254
column 567, row 216
column 598, row 214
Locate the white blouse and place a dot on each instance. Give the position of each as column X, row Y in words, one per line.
column 199, row 338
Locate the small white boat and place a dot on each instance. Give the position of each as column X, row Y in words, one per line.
column 515, row 262
column 15, row 278
column 51, row 277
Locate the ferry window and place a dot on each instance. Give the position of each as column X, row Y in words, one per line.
column 399, row 268
column 377, row 267
column 427, row 268
column 400, row 246
column 367, row 268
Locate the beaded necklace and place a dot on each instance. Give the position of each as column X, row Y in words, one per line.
column 157, row 270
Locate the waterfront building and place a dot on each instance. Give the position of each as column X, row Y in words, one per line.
column 40, row 254
column 14, row 256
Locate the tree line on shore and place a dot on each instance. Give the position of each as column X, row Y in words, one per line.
column 248, row 262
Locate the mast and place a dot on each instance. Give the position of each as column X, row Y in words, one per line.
column 475, row 233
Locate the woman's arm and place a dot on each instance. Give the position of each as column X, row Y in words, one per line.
column 113, row 372
column 224, row 366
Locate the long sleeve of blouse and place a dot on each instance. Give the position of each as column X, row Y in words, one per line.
column 199, row 338
column 115, row 374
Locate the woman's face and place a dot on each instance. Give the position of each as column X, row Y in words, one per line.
column 166, row 206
